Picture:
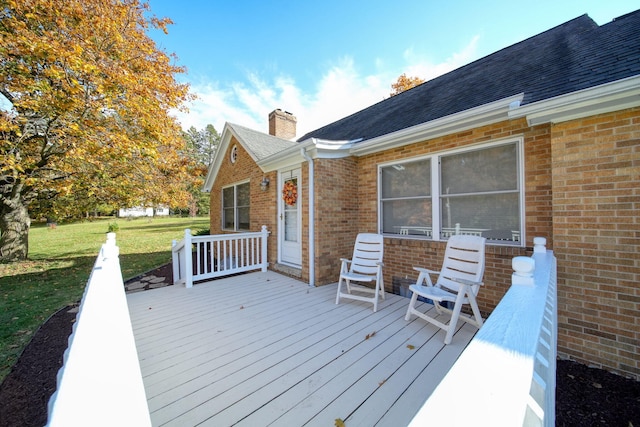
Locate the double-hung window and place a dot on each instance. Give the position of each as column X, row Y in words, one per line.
column 235, row 207
column 406, row 198
column 475, row 191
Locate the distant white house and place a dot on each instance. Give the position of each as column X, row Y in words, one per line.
column 162, row 211
column 140, row 211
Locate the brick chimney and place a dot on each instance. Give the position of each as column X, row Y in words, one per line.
column 282, row 124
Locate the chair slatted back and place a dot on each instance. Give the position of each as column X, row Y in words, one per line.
column 367, row 254
column 463, row 259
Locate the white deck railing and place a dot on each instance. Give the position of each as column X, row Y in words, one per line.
column 100, row 382
column 507, row 374
column 205, row 257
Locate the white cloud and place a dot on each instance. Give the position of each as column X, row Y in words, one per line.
column 341, row 91
column 423, row 68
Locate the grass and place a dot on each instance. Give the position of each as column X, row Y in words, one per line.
column 59, row 264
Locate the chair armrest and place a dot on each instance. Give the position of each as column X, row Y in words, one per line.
column 425, row 276
column 425, row 270
column 344, row 265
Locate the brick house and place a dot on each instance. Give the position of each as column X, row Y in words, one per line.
column 541, row 138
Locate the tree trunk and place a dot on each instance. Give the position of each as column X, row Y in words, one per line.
column 14, row 231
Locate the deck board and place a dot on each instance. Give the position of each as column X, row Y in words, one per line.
column 265, row 349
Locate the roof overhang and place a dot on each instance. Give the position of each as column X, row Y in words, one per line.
column 618, row 95
column 284, row 158
column 483, row 115
column 312, row 147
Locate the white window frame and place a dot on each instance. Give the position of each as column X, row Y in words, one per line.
column 235, row 206
column 435, row 189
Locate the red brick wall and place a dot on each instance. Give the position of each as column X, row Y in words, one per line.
column 596, row 232
column 263, row 210
column 336, row 211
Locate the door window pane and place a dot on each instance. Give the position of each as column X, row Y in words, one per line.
column 291, row 226
column 291, row 215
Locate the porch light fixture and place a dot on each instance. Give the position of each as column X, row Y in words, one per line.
column 264, row 184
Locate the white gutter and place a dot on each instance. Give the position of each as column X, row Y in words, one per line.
column 284, row 158
column 482, row 115
column 605, row 98
column 312, row 241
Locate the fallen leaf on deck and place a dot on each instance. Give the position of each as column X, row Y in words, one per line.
column 411, row 347
column 370, row 335
column 339, row 422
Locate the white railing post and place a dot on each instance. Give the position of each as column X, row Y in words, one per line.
column 188, row 269
column 263, row 255
column 175, row 259
column 523, row 268
column 539, row 245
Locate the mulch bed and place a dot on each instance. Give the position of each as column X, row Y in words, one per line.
column 584, row 396
column 594, row 397
column 25, row 392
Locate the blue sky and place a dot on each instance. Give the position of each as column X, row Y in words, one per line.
column 323, row 60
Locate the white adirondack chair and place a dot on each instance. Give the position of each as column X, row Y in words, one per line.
column 458, row 282
column 364, row 267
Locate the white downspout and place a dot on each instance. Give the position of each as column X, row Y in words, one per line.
column 312, row 222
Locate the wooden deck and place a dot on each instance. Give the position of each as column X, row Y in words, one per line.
column 265, row 349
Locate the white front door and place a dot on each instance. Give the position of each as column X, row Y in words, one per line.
column 290, row 215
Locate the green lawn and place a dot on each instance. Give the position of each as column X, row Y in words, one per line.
column 60, row 261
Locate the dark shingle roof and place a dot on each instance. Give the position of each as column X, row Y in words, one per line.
column 260, row 145
column 575, row 55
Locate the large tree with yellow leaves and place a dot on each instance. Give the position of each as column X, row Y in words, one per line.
column 87, row 96
column 404, row 83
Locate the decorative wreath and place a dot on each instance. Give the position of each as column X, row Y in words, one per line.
column 290, row 193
